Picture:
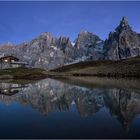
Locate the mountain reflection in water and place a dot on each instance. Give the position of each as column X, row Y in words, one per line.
column 51, row 95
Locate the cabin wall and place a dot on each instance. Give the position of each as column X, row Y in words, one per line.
column 5, row 65
column 8, row 65
column 15, row 66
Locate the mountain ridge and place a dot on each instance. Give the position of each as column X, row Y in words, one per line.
column 49, row 52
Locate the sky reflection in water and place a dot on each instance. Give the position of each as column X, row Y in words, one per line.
column 69, row 109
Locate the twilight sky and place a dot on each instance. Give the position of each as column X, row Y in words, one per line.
column 23, row 21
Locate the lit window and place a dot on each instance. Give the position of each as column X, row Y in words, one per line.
column 5, row 60
column 5, row 90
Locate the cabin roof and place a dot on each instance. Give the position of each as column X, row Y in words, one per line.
column 10, row 57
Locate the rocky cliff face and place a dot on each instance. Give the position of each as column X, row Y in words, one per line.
column 122, row 43
column 45, row 51
column 89, row 45
column 49, row 52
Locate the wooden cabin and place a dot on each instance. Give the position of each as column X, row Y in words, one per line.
column 10, row 62
column 11, row 89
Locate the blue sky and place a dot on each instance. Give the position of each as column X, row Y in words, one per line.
column 23, row 21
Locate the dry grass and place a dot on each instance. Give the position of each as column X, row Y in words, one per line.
column 124, row 68
column 23, row 73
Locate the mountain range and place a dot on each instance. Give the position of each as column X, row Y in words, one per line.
column 49, row 52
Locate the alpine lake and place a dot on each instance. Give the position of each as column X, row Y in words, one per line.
column 70, row 107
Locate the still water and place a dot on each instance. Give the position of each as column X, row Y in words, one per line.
column 70, row 108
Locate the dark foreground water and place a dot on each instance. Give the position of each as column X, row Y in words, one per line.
column 65, row 108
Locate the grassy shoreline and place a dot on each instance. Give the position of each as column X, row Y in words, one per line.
column 22, row 73
column 106, row 68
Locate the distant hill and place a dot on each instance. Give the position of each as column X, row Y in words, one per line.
column 122, row 68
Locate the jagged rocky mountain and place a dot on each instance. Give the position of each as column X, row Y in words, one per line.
column 89, row 45
column 122, row 43
column 48, row 52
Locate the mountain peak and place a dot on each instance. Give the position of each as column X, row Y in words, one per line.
column 124, row 25
column 124, row 22
column 46, row 34
column 83, row 32
column 123, row 43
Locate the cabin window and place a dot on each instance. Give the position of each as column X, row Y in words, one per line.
column 5, row 60
column 12, row 60
column 5, row 90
